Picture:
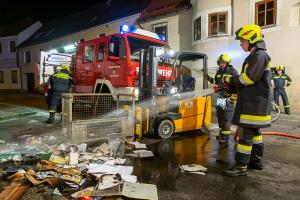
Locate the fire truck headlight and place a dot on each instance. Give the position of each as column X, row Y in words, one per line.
column 171, row 53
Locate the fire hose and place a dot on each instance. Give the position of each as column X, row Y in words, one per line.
column 271, row 133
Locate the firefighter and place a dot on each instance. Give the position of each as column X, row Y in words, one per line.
column 280, row 81
column 253, row 107
column 226, row 98
column 60, row 83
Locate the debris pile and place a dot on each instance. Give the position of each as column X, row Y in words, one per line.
column 76, row 171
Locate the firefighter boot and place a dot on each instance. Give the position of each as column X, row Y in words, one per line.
column 51, row 117
column 257, row 166
column 238, row 170
column 287, row 111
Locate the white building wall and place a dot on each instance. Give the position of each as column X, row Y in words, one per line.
column 8, row 62
column 179, row 30
column 282, row 40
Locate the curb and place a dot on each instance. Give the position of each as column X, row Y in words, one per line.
column 16, row 115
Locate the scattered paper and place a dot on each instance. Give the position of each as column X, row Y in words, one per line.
column 193, row 168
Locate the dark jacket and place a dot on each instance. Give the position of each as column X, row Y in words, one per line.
column 229, row 70
column 61, row 81
column 253, row 108
column 280, row 81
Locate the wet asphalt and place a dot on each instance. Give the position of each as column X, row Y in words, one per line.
column 280, row 178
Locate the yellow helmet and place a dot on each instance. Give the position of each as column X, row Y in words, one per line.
column 279, row 67
column 224, row 57
column 250, row 32
column 65, row 66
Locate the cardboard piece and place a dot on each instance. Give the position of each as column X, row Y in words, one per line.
column 83, row 193
column 14, row 191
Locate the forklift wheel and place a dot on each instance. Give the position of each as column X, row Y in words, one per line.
column 165, row 128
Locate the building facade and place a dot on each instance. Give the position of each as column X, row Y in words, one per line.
column 215, row 22
column 10, row 79
column 9, row 72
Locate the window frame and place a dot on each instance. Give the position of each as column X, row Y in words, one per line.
column 196, row 36
column 11, row 74
column 102, row 45
column 9, row 44
column 159, row 25
column 25, row 57
column 2, row 72
column 257, row 4
column 84, row 56
column 226, row 23
column 121, row 49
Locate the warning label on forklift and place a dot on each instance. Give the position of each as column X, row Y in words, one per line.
column 188, row 104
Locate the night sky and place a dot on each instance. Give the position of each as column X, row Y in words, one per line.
column 12, row 11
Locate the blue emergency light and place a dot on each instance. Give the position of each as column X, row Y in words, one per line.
column 127, row 29
column 132, row 29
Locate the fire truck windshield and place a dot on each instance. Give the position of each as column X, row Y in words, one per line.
column 136, row 44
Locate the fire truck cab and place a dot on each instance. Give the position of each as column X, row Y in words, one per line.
column 110, row 64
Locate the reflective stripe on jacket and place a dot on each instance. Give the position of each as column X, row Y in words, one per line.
column 280, row 81
column 228, row 71
column 253, row 108
column 60, row 82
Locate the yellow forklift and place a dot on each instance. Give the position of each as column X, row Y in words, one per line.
column 178, row 107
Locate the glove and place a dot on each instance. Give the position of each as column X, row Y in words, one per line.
column 233, row 98
column 226, row 78
column 216, row 88
column 210, row 79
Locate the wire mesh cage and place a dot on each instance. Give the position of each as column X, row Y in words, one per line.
column 92, row 117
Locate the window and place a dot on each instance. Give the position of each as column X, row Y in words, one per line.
column 197, row 29
column 12, row 46
column 136, row 44
column 117, row 47
column 14, row 76
column 161, row 29
column 27, row 57
column 89, row 51
column 217, row 23
column 100, row 51
column 1, row 77
column 0, row 48
column 265, row 13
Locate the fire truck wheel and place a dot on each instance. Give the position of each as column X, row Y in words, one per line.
column 165, row 128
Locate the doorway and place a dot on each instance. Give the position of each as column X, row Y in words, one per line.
column 30, row 82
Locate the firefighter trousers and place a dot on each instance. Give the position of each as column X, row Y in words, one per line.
column 55, row 101
column 250, row 147
column 282, row 93
column 224, row 116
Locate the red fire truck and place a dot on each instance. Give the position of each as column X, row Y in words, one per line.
column 108, row 64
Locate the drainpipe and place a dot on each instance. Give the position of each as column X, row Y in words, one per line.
column 18, row 65
column 232, row 16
